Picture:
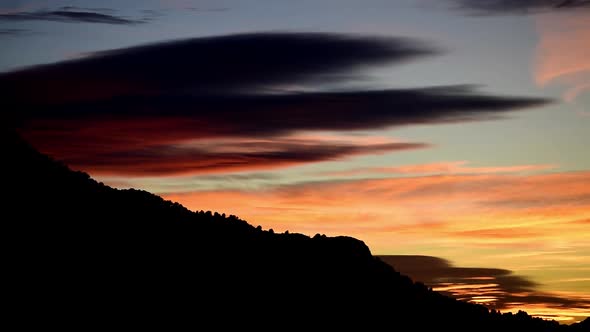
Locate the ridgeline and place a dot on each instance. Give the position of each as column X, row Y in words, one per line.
column 83, row 255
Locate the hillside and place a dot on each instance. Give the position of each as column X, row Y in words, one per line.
column 82, row 254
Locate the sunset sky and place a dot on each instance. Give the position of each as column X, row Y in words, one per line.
column 451, row 134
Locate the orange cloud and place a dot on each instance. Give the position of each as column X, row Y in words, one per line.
column 567, row 315
column 529, row 223
column 563, row 53
column 511, row 211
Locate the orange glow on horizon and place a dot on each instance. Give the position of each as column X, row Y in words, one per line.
column 562, row 315
column 518, row 221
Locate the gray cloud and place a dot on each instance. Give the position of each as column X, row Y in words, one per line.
column 487, row 7
column 14, row 32
column 70, row 15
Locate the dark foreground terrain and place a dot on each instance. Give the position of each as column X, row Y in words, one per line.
column 81, row 255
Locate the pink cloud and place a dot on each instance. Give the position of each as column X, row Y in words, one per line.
column 453, row 167
column 563, row 52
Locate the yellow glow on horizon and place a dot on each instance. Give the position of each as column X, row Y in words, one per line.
column 567, row 315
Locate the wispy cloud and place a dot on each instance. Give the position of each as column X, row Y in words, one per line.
column 14, row 32
column 70, row 15
column 563, row 53
column 499, row 289
column 223, row 156
column 489, row 7
column 455, row 167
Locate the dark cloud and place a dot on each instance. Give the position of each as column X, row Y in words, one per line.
column 436, row 271
column 130, row 127
column 495, row 288
column 89, row 9
column 212, row 65
column 225, row 157
column 268, row 114
column 70, row 15
column 260, row 85
column 519, row 6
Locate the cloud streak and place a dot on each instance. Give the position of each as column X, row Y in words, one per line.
column 563, row 53
column 488, row 7
column 226, row 156
column 499, row 289
column 456, row 167
column 14, row 32
column 68, row 15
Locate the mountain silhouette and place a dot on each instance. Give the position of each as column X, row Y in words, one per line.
column 583, row 325
column 81, row 254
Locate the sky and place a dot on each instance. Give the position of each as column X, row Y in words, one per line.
column 452, row 134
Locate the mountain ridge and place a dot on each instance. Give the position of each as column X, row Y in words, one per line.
column 82, row 253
